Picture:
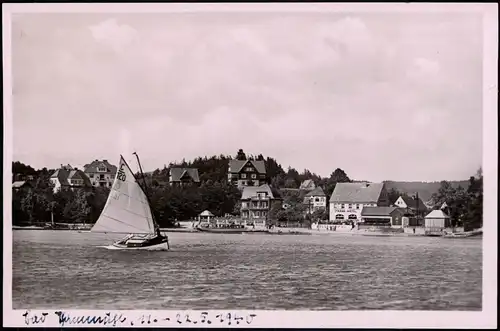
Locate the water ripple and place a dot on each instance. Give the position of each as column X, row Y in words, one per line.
column 59, row 269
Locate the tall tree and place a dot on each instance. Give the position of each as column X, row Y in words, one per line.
column 241, row 155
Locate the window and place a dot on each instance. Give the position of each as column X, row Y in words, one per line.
column 317, row 200
column 91, row 175
column 254, row 176
column 102, row 169
column 243, row 176
column 339, row 217
column 357, row 206
column 353, row 217
column 350, row 205
column 249, row 169
column 243, row 205
column 110, row 184
column 342, row 207
column 101, row 177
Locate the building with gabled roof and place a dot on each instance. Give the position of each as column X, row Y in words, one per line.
column 436, row 221
column 307, row 185
column 68, row 177
column 411, row 203
column 246, row 172
column 183, row 176
column 256, row 202
column 383, row 216
column 101, row 173
column 348, row 200
column 315, row 200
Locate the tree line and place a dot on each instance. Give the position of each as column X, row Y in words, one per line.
column 169, row 204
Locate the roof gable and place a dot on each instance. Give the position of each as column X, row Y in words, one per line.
column 78, row 174
column 92, row 167
column 413, row 203
column 61, row 175
column 307, row 184
column 178, row 173
column 357, row 192
column 252, row 191
column 236, row 166
column 438, row 213
column 317, row 192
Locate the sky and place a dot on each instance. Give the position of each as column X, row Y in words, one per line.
column 382, row 96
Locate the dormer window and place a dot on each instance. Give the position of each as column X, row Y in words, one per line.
column 102, row 168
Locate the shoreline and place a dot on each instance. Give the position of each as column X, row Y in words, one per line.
column 280, row 231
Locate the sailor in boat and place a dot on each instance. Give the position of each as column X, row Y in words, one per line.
column 150, row 239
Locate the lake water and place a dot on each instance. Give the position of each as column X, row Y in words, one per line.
column 65, row 269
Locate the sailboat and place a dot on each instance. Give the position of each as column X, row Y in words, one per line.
column 128, row 211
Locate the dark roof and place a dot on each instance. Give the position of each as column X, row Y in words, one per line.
column 178, row 173
column 357, row 192
column 78, row 174
column 20, row 184
column 62, row 175
column 317, row 192
column 235, row 166
column 251, row 191
column 92, row 167
column 412, row 203
column 377, row 211
column 308, row 184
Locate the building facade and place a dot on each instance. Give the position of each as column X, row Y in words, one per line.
column 383, row 216
column 256, row 202
column 183, row 176
column 246, row 173
column 436, row 221
column 315, row 200
column 101, row 173
column 69, row 177
column 348, row 200
column 412, row 204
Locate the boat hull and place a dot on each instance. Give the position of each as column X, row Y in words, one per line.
column 159, row 247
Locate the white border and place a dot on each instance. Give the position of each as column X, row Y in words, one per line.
column 296, row 319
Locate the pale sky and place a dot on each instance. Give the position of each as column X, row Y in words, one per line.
column 382, row 96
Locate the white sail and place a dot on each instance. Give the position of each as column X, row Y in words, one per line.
column 127, row 209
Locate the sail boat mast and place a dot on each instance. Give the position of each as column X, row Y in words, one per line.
column 145, row 188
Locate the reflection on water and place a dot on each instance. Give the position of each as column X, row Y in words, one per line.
column 63, row 269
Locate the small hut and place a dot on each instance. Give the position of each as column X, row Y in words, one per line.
column 205, row 216
column 436, row 221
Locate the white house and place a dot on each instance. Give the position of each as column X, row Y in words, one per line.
column 68, row 177
column 348, row 199
column 315, row 200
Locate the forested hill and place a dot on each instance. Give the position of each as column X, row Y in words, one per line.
column 425, row 189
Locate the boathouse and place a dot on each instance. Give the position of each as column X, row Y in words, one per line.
column 436, row 221
column 382, row 216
